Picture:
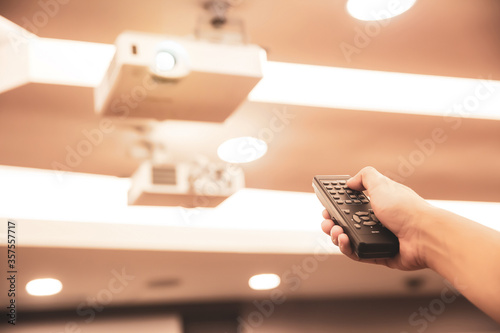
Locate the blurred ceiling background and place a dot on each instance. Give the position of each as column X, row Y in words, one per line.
column 39, row 121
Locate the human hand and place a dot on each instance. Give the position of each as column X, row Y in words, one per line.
column 398, row 208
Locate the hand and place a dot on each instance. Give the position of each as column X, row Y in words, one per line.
column 398, row 208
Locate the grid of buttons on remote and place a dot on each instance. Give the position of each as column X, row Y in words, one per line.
column 353, row 204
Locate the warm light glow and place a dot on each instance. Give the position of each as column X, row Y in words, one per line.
column 355, row 89
column 374, row 10
column 264, row 281
column 242, row 150
column 43, row 287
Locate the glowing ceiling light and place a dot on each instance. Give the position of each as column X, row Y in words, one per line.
column 68, row 62
column 264, row 281
column 43, row 287
column 356, row 89
column 375, row 10
column 242, row 150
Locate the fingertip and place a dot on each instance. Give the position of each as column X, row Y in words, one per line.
column 344, row 245
column 326, row 226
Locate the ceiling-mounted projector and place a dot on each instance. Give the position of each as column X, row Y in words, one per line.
column 184, row 184
column 160, row 77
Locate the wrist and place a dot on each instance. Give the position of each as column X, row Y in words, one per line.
column 431, row 227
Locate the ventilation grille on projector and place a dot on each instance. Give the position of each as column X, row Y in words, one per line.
column 164, row 176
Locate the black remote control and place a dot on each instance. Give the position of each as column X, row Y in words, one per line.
column 352, row 210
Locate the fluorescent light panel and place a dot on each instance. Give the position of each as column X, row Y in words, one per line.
column 44, row 195
column 356, row 89
column 68, row 62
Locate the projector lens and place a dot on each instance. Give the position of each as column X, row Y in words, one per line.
column 165, row 61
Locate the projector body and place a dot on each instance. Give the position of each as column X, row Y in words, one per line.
column 183, row 184
column 159, row 77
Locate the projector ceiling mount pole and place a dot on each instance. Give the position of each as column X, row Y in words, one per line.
column 218, row 8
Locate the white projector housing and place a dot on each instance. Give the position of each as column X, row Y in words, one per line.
column 159, row 77
column 182, row 184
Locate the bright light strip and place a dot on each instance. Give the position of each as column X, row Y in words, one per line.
column 77, row 197
column 68, row 62
column 374, row 10
column 355, row 89
column 264, row 281
column 242, row 150
column 43, row 287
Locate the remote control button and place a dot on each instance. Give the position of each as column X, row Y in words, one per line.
column 362, row 213
column 336, row 197
column 325, row 182
column 341, row 192
column 332, row 192
column 365, row 218
column 329, row 187
column 356, row 219
column 357, row 226
column 375, row 231
column 369, row 223
column 342, row 182
column 338, row 187
column 352, row 196
column 349, row 191
column 356, row 202
column 346, row 211
column 348, row 202
column 340, row 202
column 334, row 183
column 365, row 201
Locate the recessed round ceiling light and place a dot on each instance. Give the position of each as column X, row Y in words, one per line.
column 43, row 287
column 374, row 10
column 264, row 281
column 242, row 150
column 165, row 61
